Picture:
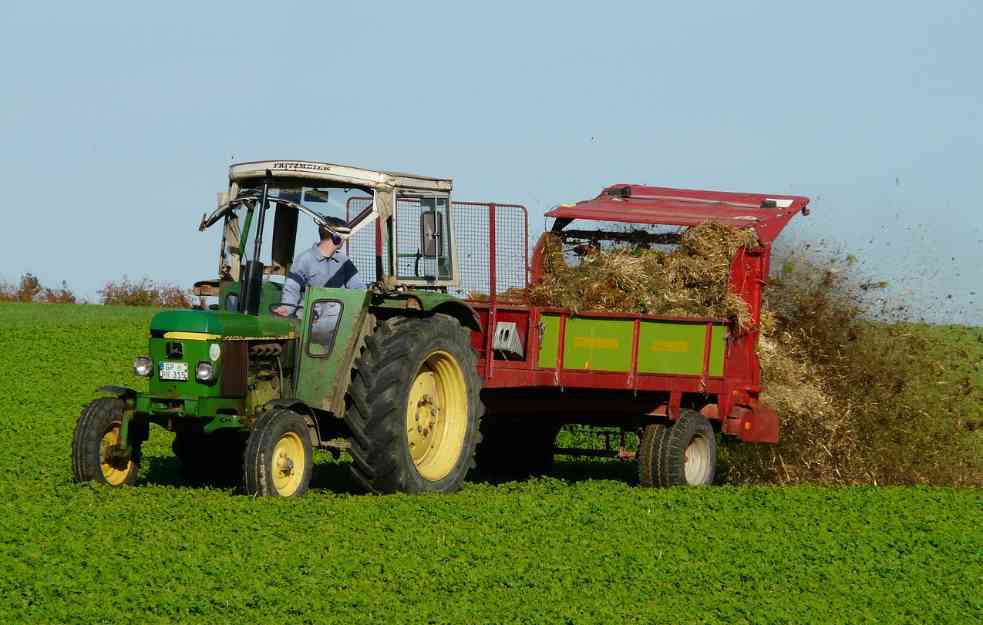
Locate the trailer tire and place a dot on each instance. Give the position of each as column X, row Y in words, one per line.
column 691, row 451
column 96, row 431
column 278, row 460
column 414, row 409
column 652, row 455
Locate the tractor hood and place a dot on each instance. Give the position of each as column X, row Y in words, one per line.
column 220, row 324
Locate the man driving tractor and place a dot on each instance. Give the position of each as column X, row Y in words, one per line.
column 322, row 265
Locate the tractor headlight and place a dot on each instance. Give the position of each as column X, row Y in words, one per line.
column 143, row 366
column 205, row 372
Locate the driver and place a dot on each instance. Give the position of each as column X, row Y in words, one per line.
column 323, row 265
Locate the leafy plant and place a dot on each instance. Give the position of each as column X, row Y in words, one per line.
column 577, row 547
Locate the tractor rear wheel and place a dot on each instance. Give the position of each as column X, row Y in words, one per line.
column 95, row 441
column 690, row 457
column 414, row 408
column 278, row 460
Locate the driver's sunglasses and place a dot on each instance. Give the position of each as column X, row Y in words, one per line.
column 335, row 239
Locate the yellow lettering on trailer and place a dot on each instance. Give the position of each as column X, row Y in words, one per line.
column 594, row 342
column 672, row 347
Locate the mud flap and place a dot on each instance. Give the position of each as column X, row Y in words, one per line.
column 758, row 425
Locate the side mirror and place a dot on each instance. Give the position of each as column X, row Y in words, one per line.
column 431, row 232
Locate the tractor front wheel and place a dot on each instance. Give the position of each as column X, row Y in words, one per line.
column 96, row 455
column 414, row 409
column 279, row 457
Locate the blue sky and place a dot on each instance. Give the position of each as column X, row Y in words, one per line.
column 118, row 120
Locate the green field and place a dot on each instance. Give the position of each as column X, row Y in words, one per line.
column 582, row 546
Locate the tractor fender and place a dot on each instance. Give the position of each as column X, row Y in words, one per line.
column 302, row 409
column 461, row 311
column 122, row 392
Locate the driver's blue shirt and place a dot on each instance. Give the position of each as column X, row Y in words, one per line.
column 312, row 268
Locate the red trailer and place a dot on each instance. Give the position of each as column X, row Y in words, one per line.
column 675, row 381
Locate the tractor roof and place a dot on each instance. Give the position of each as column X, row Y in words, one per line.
column 639, row 204
column 343, row 174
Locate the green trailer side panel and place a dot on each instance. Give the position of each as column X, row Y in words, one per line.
column 549, row 344
column 718, row 344
column 677, row 348
column 598, row 344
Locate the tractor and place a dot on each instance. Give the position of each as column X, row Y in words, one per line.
column 387, row 373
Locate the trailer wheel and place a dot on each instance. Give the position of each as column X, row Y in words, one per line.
column 652, row 454
column 279, row 458
column 691, row 451
column 414, row 409
column 96, row 435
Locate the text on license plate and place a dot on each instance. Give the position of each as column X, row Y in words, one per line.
column 173, row 371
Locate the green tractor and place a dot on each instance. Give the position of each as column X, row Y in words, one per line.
column 386, row 373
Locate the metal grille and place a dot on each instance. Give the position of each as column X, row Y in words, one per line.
column 472, row 233
column 473, row 239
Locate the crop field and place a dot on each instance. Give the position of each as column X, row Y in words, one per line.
column 583, row 545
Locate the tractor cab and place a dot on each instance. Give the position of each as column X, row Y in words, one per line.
column 272, row 210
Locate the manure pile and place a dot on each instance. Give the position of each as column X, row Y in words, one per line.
column 691, row 280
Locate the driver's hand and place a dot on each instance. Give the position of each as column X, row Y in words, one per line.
column 283, row 311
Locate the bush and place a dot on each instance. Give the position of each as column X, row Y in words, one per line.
column 146, row 292
column 30, row 290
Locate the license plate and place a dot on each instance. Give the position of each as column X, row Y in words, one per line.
column 173, row 371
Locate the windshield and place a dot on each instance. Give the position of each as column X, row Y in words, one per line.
column 284, row 227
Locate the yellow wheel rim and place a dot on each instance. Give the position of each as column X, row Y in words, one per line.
column 437, row 416
column 114, row 471
column 289, row 464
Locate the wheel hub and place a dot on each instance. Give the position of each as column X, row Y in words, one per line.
column 436, row 415
column 285, row 464
column 426, row 415
column 696, row 461
column 288, row 464
column 114, row 464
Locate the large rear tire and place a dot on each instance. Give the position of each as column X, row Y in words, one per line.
column 96, row 435
column 414, row 408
